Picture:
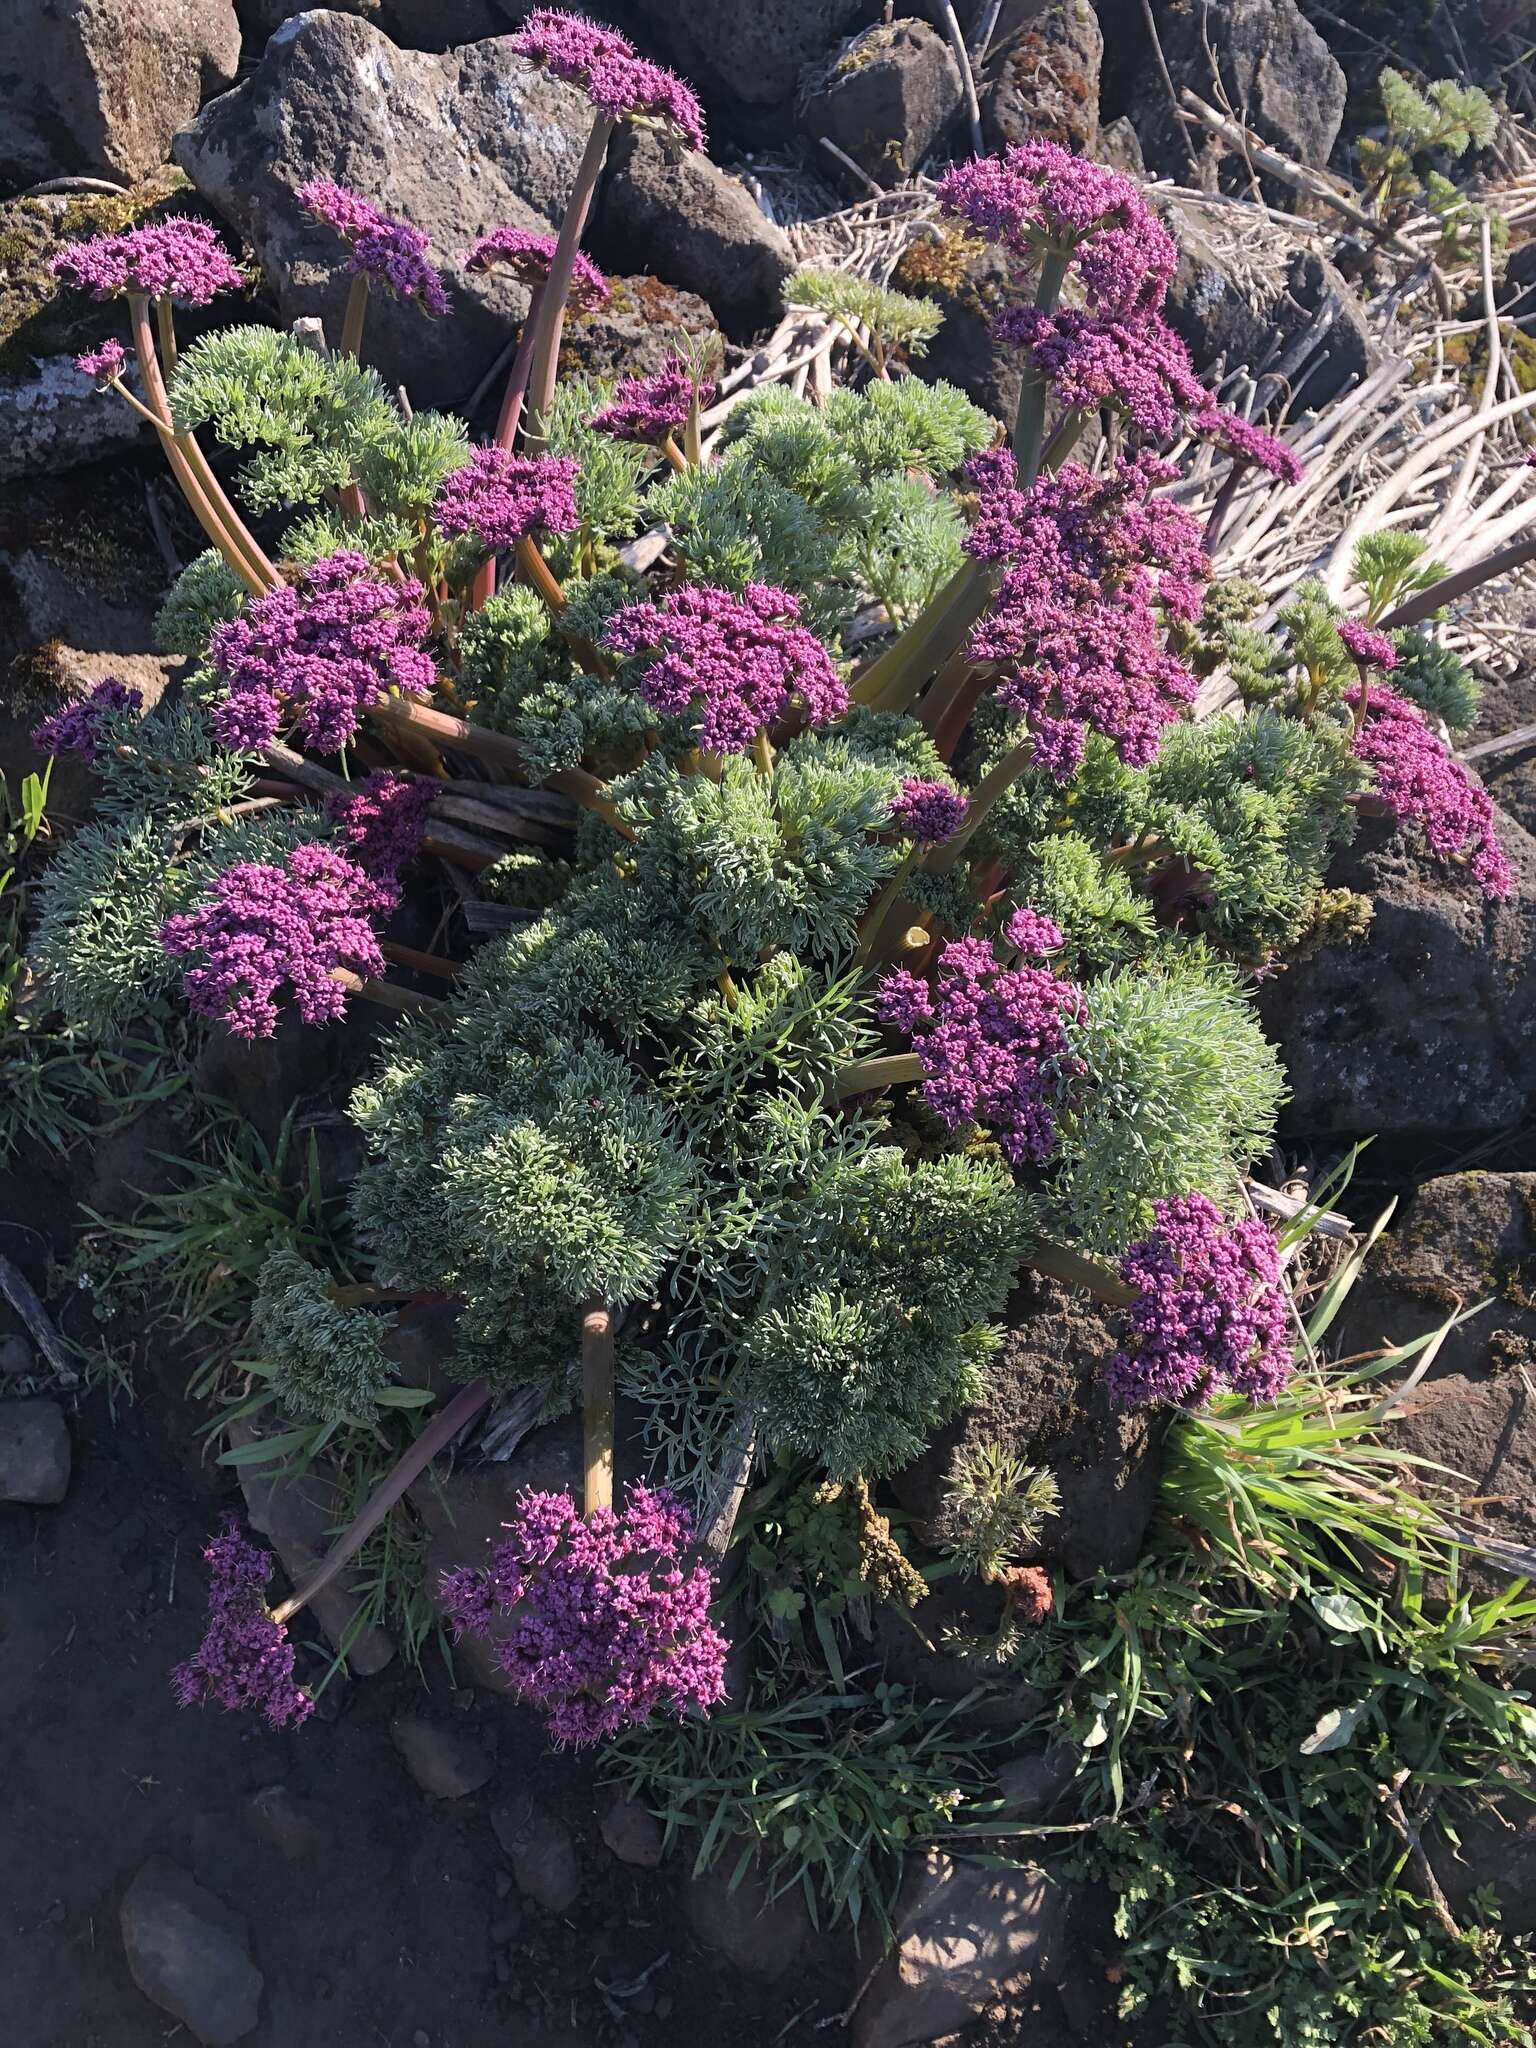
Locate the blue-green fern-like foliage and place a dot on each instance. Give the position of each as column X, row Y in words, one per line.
column 325, row 1363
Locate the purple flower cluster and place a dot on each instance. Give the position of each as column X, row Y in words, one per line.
column 1246, row 443
column 1075, row 635
column 992, row 1041
column 596, row 1622
column 1210, row 1310
column 177, row 258
column 77, row 729
column 619, row 84
column 392, row 251
column 102, row 365
column 502, row 498
column 245, row 1659
column 1090, row 359
column 264, row 925
column 1422, row 783
column 928, row 811
column 528, row 256
column 1039, row 196
column 383, row 821
column 326, row 647
column 650, row 408
column 732, row 661
column 1117, row 349
column 1366, row 646
column 1033, row 933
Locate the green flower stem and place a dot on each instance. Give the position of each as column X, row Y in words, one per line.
column 201, row 489
column 1078, row 1269
column 885, row 1070
column 389, row 995
column 438, row 1434
column 998, row 778
column 881, row 908
column 1068, row 432
column 351, row 343
column 1029, row 427
column 550, row 324
column 896, row 678
column 597, row 1350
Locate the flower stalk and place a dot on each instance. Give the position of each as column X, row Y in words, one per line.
column 550, row 324
column 597, row 1358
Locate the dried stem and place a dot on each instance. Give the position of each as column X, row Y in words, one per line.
column 351, row 343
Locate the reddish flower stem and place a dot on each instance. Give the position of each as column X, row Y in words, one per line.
column 551, row 319
column 351, row 343
column 438, row 1434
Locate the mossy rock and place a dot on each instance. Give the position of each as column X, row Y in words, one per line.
column 39, row 317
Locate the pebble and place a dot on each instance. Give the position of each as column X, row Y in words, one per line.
column 189, row 1954
column 445, row 1762
column 632, row 1833
column 34, row 1452
column 543, row 1855
column 16, row 1355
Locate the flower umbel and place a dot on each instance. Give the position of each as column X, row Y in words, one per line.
column 502, row 498
column 383, row 821
column 597, row 1621
column 732, row 662
column 263, row 926
column 992, row 1041
column 103, row 365
column 1210, row 1311
column 390, row 251
column 928, row 811
column 325, row 648
column 1367, row 646
column 650, row 408
column 245, row 1659
column 177, row 258
column 620, row 84
column 528, row 257
column 1421, row 783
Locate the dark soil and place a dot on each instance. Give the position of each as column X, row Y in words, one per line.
column 392, row 1920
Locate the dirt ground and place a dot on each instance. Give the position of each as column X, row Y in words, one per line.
column 380, row 1917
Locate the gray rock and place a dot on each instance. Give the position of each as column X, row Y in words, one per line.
column 1221, row 319
column 283, row 1821
column 643, row 323
column 692, row 225
column 1425, row 1027
column 542, row 1854
column 34, row 1452
column 1045, row 1402
column 632, row 1832
column 1273, row 64
column 971, row 287
column 189, row 1954
column 758, row 1933
column 443, row 1761
column 455, row 143
column 754, row 48
column 101, row 89
column 1031, row 1786
column 887, row 98
column 52, row 419
column 969, row 1938
column 16, row 1355
column 299, row 1517
column 1043, row 77
column 1462, row 1238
